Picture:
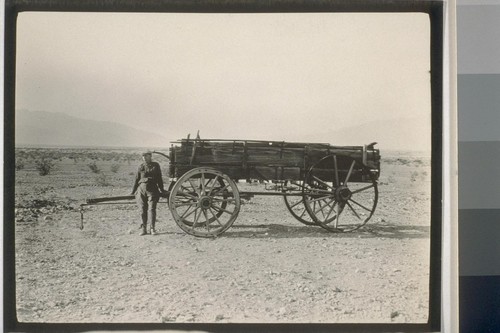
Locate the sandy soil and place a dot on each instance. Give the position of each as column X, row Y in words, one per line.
column 267, row 267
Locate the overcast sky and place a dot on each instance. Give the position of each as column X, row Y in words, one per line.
column 247, row 76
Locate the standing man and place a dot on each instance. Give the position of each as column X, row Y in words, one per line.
column 147, row 188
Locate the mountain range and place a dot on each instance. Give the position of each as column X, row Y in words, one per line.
column 59, row 129
column 394, row 134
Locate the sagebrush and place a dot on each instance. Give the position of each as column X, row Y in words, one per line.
column 44, row 166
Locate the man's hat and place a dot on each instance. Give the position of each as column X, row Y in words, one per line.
column 149, row 152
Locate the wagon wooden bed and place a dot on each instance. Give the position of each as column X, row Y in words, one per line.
column 334, row 187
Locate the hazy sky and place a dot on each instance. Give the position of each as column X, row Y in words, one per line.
column 254, row 76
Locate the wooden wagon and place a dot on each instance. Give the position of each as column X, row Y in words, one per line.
column 334, row 187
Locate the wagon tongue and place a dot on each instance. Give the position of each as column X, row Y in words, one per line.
column 105, row 199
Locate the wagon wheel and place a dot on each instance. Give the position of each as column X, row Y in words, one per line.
column 342, row 193
column 295, row 205
column 218, row 213
column 204, row 202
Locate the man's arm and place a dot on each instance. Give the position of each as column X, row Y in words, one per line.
column 159, row 179
column 136, row 182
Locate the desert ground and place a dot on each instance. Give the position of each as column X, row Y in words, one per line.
column 267, row 267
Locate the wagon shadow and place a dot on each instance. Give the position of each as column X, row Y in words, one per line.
column 286, row 231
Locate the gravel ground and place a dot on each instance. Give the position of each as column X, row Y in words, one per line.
column 266, row 268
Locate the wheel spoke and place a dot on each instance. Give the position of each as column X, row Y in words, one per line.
column 191, row 203
column 337, row 219
column 193, row 186
column 349, row 173
column 213, row 184
column 322, row 198
column 224, row 200
column 187, row 195
column 187, row 190
column 319, row 191
column 331, row 210
column 221, row 189
column 303, row 213
column 207, row 223
column 349, row 205
column 320, row 209
column 196, row 217
column 336, row 169
column 295, row 204
column 329, row 202
column 362, row 189
column 220, row 209
column 323, row 182
column 202, row 183
column 360, row 205
column 327, row 205
column 215, row 216
column 187, row 210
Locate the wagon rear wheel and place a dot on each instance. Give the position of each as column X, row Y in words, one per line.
column 295, row 204
column 342, row 193
column 204, row 202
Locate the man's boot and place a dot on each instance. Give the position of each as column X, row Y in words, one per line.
column 143, row 231
column 152, row 215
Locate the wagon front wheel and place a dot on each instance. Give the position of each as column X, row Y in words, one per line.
column 204, row 202
column 342, row 193
column 295, row 204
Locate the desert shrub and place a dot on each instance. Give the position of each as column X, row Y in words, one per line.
column 19, row 164
column 114, row 167
column 403, row 161
column 93, row 167
column 44, row 166
column 102, row 180
column 414, row 176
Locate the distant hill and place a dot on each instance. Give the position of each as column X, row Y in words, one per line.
column 396, row 134
column 50, row 128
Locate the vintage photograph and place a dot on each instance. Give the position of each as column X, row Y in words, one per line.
column 223, row 167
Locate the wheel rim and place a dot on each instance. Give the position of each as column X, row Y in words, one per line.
column 341, row 195
column 204, row 202
column 296, row 207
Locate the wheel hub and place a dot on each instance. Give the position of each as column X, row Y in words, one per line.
column 205, row 202
column 342, row 194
